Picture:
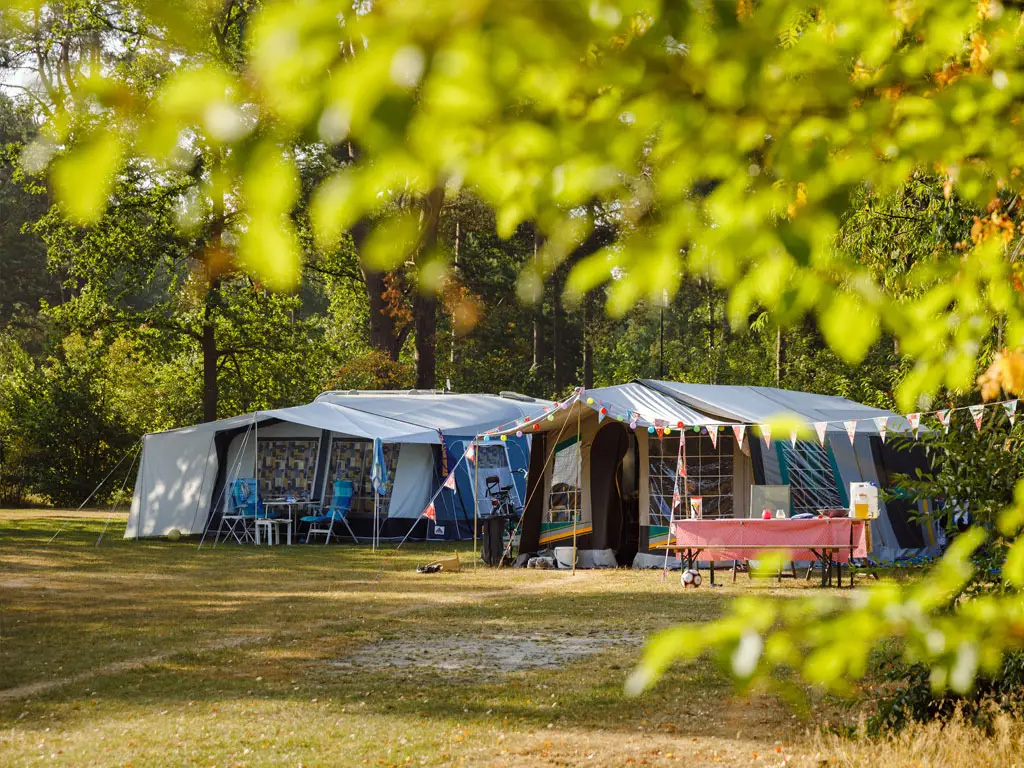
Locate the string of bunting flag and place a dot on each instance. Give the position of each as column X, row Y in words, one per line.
column 661, row 427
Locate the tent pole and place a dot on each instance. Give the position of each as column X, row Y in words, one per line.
column 256, row 472
column 675, row 493
column 113, row 506
column 232, row 474
column 476, row 495
column 94, row 490
column 142, row 473
column 579, row 469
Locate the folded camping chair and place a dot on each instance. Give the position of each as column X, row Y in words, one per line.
column 243, row 508
column 336, row 511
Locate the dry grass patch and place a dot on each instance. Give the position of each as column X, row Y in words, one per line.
column 153, row 653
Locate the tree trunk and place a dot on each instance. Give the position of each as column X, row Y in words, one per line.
column 383, row 335
column 208, row 345
column 208, row 332
column 557, row 364
column 539, row 349
column 424, row 305
column 723, row 340
column 588, row 346
column 424, row 310
column 779, row 355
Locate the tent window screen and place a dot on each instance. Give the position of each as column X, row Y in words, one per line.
column 287, row 466
column 352, row 460
column 565, row 497
column 807, row 468
column 709, row 474
column 493, row 463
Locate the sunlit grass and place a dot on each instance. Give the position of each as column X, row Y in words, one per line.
column 157, row 653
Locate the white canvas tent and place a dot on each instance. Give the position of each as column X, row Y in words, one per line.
column 184, row 474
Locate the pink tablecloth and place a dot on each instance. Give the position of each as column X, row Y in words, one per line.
column 753, row 539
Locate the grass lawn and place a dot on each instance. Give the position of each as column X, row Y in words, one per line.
column 155, row 653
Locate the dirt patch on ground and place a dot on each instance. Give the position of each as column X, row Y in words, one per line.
column 490, row 653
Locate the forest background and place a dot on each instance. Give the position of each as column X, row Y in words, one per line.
column 144, row 320
column 101, row 330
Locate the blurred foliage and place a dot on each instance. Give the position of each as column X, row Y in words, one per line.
column 721, row 140
column 973, row 473
column 910, row 697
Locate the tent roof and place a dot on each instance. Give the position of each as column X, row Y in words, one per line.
column 759, row 404
column 453, row 414
column 323, row 415
column 647, row 402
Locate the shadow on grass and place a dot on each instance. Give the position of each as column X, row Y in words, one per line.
column 72, row 609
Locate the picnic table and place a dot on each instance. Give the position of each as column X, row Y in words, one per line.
column 829, row 541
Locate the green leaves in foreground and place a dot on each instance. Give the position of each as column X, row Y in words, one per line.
column 83, row 178
column 721, row 139
column 828, row 640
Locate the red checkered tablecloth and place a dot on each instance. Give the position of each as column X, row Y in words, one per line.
column 753, row 539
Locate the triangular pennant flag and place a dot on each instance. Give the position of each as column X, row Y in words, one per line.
column 680, row 467
column 449, row 482
column 766, row 433
column 882, row 425
column 713, row 434
column 1011, row 410
column 851, row 429
column 792, row 436
column 660, row 431
column 943, row 417
column 696, row 507
column 977, row 413
column 675, row 500
column 430, row 513
column 471, row 452
column 820, row 427
column 914, row 419
column 737, row 431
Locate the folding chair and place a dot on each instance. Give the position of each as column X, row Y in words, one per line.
column 337, row 511
column 242, row 512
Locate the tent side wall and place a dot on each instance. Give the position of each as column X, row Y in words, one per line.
column 175, row 484
column 413, row 483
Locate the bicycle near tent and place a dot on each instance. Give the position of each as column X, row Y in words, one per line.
column 500, row 522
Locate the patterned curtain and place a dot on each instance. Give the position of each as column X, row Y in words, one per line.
column 287, row 467
column 352, row 460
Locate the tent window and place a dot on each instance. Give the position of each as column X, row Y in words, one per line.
column 709, row 470
column 564, row 502
column 493, row 463
column 353, row 460
column 287, row 467
column 808, row 470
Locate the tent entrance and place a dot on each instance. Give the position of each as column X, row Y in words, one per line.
column 613, row 506
column 352, row 459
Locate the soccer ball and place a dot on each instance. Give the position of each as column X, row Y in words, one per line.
column 690, row 578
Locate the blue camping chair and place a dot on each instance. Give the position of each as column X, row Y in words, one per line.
column 336, row 512
column 244, row 507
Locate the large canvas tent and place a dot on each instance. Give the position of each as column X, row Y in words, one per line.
column 184, row 474
column 603, row 465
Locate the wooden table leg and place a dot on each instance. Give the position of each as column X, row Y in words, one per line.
column 712, row 573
